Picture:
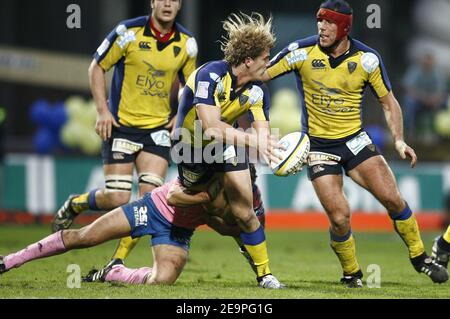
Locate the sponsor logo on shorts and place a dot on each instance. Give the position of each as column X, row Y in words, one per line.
column 140, row 216
column 316, row 158
column 191, row 176
column 118, row 156
column 121, row 145
column 317, row 169
column 372, row 147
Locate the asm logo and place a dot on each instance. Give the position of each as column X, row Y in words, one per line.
column 318, row 64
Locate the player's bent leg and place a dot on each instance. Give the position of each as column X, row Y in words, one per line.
column 118, row 180
column 110, row 226
column 152, row 170
column 169, row 262
column 375, row 175
column 237, row 186
column 329, row 189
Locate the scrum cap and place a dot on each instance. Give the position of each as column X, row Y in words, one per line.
column 339, row 12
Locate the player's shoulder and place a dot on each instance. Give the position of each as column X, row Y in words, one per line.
column 260, row 86
column 136, row 22
column 364, row 48
column 303, row 43
column 183, row 30
column 370, row 58
column 188, row 40
column 296, row 50
column 215, row 69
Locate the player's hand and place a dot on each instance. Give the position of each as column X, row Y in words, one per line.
column 269, row 149
column 405, row 151
column 171, row 126
column 103, row 127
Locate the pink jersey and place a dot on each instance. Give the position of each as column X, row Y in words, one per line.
column 189, row 217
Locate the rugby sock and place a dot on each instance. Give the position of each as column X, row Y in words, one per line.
column 345, row 249
column 405, row 225
column 84, row 202
column 444, row 241
column 80, row 204
column 124, row 248
column 446, row 236
column 120, row 273
column 245, row 253
column 92, row 201
column 49, row 246
column 256, row 246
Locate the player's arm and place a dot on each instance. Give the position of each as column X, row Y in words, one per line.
column 286, row 61
column 106, row 56
column 105, row 119
column 381, row 86
column 179, row 196
column 394, row 119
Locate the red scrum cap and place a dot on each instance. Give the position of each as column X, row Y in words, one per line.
column 338, row 12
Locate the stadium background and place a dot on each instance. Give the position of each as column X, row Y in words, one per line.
column 45, row 103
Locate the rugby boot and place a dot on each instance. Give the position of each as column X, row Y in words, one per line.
column 2, row 265
column 439, row 255
column 425, row 264
column 100, row 275
column 65, row 216
column 270, row 282
column 353, row 281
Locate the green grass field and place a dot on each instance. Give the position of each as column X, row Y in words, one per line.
column 302, row 260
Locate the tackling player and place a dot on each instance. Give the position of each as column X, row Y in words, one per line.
column 215, row 96
column 333, row 70
column 148, row 53
column 171, row 228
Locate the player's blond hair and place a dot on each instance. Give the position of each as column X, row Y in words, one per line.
column 247, row 36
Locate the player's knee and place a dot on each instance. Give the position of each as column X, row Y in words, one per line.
column 164, row 276
column 341, row 221
column 118, row 189
column 118, row 199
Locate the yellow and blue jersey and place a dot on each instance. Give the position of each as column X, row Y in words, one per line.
column 332, row 89
column 215, row 84
column 145, row 70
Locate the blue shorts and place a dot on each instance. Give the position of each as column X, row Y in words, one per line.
column 145, row 219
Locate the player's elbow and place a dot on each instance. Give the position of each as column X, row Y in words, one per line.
column 171, row 199
column 94, row 69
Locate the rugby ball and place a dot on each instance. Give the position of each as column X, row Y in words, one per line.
column 297, row 147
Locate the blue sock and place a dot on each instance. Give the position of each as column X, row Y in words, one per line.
column 92, row 202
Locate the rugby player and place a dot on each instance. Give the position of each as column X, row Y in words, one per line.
column 148, row 53
column 171, row 228
column 333, row 70
column 441, row 249
column 215, row 96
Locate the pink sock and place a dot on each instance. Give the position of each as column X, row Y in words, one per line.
column 49, row 246
column 123, row 274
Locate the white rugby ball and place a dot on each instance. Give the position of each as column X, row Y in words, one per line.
column 297, row 147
